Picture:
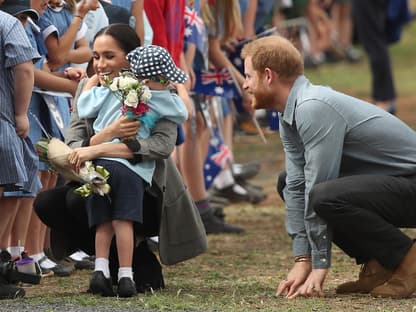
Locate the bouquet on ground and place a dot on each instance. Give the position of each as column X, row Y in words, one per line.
column 133, row 95
column 55, row 153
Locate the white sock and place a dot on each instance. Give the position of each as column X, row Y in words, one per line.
column 79, row 255
column 16, row 251
column 239, row 189
column 237, row 168
column 101, row 264
column 224, row 179
column 46, row 263
column 125, row 272
column 37, row 256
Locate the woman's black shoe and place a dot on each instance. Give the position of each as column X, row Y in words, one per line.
column 99, row 285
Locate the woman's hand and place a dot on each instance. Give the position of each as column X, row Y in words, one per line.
column 125, row 127
column 82, row 154
column 296, row 277
column 122, row 128
column 93, row 81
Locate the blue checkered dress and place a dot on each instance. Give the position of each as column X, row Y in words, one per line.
column 15, row 49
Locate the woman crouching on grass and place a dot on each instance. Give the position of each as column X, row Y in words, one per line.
column 181, row 238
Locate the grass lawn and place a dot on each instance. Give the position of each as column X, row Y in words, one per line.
column 241, row 272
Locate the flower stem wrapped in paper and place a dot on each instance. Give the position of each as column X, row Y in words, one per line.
column 55, row 152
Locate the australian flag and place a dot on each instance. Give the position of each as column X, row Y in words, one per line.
column 216, row 82
column 195, row 31
column 219, row 154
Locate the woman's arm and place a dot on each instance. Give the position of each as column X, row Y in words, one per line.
column 158, row 146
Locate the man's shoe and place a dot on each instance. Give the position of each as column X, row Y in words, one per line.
column 214, row 225
column 99, row 285
column 126, row 288
column 402, row 283
column 372, row 274
column 8, row 291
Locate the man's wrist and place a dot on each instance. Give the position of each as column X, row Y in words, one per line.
column 304, row 258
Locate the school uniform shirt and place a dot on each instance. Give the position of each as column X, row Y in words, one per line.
column 39, row 113
column 57, row 20
column 100, row 103
column 326, row 135
column 14, row 50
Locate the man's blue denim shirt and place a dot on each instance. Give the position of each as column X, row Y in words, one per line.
column 326, row 135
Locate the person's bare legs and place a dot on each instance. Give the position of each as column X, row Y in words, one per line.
column 103, row 235
column 345, row 26
column 124, row 237
column 21, row 224
column 35, row 238
column 8, row 211
column 123, row 230
column 100, row 281
column 190, row 159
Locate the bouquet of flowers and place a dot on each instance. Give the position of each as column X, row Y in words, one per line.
column 132, row 93
column 55, row 153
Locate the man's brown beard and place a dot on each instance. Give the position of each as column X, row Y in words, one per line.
column 261, row 102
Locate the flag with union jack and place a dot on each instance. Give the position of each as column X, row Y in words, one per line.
column 216, row 82
column 195, row 31
column 219, row 154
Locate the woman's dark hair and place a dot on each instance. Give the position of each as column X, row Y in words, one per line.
column 123, row 34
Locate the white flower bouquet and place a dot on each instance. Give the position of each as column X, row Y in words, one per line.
column 133, row 94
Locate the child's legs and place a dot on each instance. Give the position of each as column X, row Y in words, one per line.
column 21, row 222
column 125, row 241
column 103, row 235
column 36, row 230
column 8, row 210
